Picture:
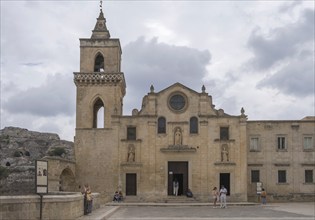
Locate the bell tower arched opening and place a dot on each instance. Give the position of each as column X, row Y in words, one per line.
column 99, row 63
column 98, row 114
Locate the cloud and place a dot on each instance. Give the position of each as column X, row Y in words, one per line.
column 296, row 78
column 32, row 64
column 286, row 57
column 55, row 97
column 161, row 64
column 282, row 42
column 288, row 6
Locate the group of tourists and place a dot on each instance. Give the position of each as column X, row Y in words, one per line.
column 221, row 196
column 217, row 195
column 118, row 197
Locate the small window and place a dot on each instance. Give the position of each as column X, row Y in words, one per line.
column 161, row 125
column 281, row 143
column 224, row 133
column 131, row 133
column 255, row 176
column 194, row 125
column 308, row 143
column 254, row 144
column 308, row 176
column 282, row 176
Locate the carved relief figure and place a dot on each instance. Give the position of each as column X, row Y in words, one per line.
column 224, row 153
column 131, row 154
column 178, row 137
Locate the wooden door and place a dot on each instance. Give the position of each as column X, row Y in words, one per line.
column 131, row 184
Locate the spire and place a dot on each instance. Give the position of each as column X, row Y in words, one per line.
column 100, row 29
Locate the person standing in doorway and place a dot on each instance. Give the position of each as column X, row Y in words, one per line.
column 175, row 187
column 215, row 196
column 223, row 192
column 263, row 196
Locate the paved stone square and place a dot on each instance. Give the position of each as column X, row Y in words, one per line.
column 203, row 212
column 290, row 211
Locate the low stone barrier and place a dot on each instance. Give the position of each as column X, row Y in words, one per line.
column 55, row 206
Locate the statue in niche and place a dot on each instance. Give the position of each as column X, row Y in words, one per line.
column 178, row 137
column 131, row 154
column 224, row 153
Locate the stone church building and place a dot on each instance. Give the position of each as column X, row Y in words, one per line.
column 178, row 134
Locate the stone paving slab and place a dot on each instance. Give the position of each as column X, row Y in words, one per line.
column 306, row 208
column 202, row 212
column 178, row 204
column 234, row 211
column 102, row 213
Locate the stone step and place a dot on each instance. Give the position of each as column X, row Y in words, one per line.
column 180, row 199
column 132, row 199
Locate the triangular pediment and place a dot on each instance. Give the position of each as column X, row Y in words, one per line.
column 178, row 85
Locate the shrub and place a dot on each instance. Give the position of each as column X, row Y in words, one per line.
column 58, row 151
column 4, row 172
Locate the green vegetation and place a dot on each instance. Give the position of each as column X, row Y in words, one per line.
column 4, row 172
column 58, row 151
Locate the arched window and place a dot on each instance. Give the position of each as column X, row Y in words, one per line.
column 193, row 125
column 99, row 63
column 98, row 114
column 161, row 125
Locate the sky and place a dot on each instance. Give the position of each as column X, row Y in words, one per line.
column 258, row 55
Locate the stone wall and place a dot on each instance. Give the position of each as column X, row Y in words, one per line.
column 58, row 206
column 268, row 160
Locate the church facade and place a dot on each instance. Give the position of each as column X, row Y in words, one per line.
column 178, row 134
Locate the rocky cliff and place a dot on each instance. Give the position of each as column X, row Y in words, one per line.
column 19, row 149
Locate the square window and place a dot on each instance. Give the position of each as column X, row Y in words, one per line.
column 224, row 133
column 308, row 143
column 281, row 144
column 282, row 176
column 131, row 133
column 254, row 144
column 308, row 176
column 255, row 176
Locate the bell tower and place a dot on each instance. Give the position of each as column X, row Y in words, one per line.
column 100, row 82
column 100, row 88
